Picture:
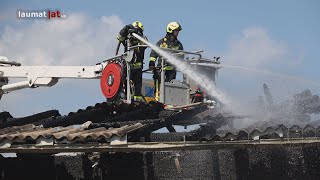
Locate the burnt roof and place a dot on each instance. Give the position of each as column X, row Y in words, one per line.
column 31, row 133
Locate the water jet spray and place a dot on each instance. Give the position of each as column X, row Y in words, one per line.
column 201, row 79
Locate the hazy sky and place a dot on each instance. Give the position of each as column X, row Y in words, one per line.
column 278, row 37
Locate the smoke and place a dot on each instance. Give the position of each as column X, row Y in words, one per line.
column 269, row 112
column 307, row 103
column 254, row 57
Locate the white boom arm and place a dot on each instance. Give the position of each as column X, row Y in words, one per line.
column 51, row 71
column 46, row 75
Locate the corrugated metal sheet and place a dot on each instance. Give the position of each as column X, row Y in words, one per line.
column 280, row 132
column 68, row 134
column 272, row 132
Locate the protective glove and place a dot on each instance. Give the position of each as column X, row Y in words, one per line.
column 136, row 31
column 145, row 37
column 139, row 32
column 151, row 65
column 152, row 68
column 133, row 30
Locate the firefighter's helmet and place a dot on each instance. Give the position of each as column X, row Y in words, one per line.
column 138, row 24
column 173, row 26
